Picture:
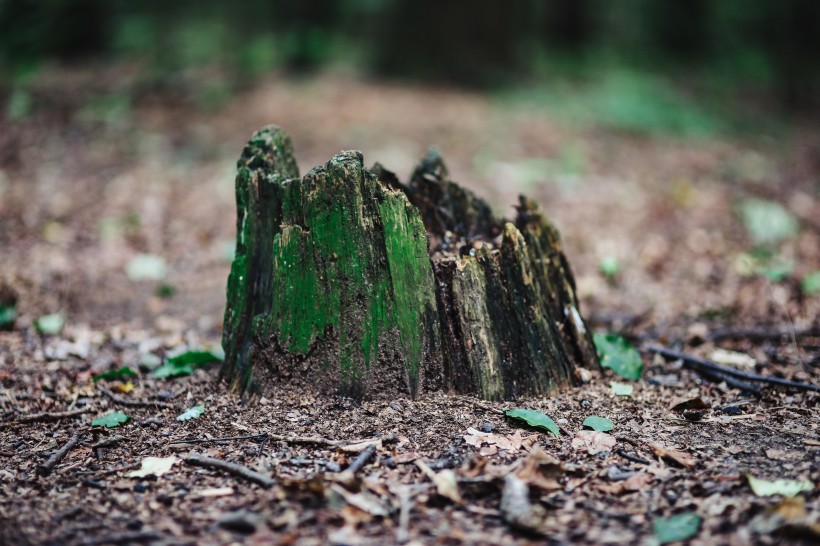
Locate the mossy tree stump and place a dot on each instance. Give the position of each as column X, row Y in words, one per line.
column 347, row 280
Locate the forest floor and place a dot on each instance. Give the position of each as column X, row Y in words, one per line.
column 100, row 172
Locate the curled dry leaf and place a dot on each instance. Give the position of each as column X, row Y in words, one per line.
column 541, row 470
column 593, row 442
column 153, row 466
column 360, row 446
column 678, row 457
column 516, row 508
column 512, row 443
column 367, row 502
column 446, row 481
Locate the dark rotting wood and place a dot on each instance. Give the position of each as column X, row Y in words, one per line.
column 349, row 280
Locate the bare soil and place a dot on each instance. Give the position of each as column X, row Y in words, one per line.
column 82, row 193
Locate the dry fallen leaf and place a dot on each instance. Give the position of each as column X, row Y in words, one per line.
column 593, row 442
column 364, row 501
column 679, row 457
column 516, row 508
column 360, row 446
column 446, row 481
column 541, row 470
column 511, row 444
column 153, row 466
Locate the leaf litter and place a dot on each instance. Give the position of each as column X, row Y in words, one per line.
column 680, row 287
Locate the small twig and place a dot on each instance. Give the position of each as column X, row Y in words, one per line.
column 256, row 437
column 132, row 403
column 331, row 466
column 762, row 334
column 100, row 473
column 700, row 364
column 125, row 538
column 51, row 416
column 363, row 458
column 235, row 469
column 633, row 458
column 314, row 440
column 108, row 442
column 46, row 468
column 728, row 379
column 485, row 407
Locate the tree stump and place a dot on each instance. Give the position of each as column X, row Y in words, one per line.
column 348, row 281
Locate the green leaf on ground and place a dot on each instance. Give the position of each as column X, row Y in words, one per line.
column 766, row 221
column 619, row 355
column 810, row 284
column 191, row 413
column 120, row 373
column 184, row 363
column 8, row 313
column 49, row 324
column 110, row 420
column 674, row 528
column 621, row 389
column 609, row 266
column 146, row 267
column 534, row 418
column 196, row 357
column 787, row 488
column 599, row 424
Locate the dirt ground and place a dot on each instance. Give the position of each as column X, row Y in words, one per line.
column 86, row 186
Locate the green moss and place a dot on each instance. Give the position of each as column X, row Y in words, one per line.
column 334, row 252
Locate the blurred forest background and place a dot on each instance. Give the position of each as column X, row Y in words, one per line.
column 631, row 62
column 642, row 125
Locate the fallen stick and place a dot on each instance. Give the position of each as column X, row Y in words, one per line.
column 256, row 437
column 701, row 364
column 762, row 334
column 50, row 416
column 362, row 459
column 314, row 440
column 235, row 469
column 728, row 379
column 46, row 468
column 632, row 458
column 132, row 403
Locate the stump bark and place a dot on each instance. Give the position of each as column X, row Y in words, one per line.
column 347, row 280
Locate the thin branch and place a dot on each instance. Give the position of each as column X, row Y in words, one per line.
column 50, row 416
column 762, row 334
column 363, row 458
column 132, row 403
column 255, row 437
column 46, row 468
column 310, row 440
column 632, row 458
column 235, row 469
column 700, row 364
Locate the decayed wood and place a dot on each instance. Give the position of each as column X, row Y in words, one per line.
column 348, row 280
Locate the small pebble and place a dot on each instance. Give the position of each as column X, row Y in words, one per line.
column 487, row 427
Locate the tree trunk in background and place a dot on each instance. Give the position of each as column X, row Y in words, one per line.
column 348, row 281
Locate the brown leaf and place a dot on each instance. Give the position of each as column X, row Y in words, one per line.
column 592, row 442
column 511, row 444
column 541, row 470
column 445, row 481
column 678, row 457
column 688, row 403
